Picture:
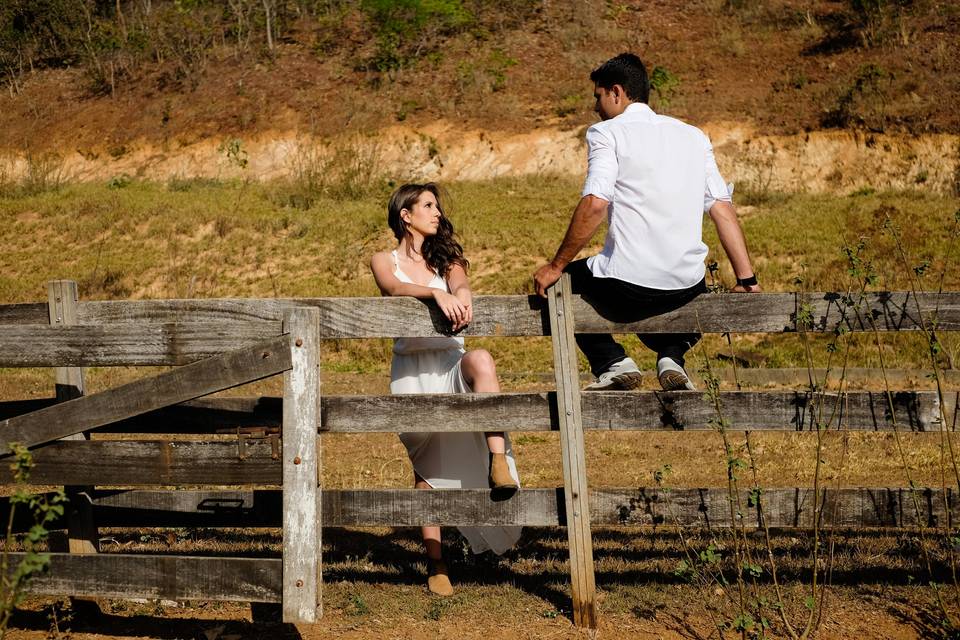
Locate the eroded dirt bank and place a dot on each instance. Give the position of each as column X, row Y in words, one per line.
column 819, row 161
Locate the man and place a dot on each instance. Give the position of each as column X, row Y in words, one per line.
column 654, row 177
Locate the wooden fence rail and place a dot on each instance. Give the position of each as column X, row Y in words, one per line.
column 667, row 509
column 221, row 343
column 605, row 411
column 525, row 316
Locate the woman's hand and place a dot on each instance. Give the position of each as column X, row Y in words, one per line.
column 466, row 299
column 452, row 308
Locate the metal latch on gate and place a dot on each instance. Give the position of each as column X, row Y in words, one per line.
column 246, row 436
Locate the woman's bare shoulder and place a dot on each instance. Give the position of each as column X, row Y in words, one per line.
column 381, row 257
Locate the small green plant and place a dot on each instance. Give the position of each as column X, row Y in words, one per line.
column 497, row 64
column 876, row 22
column 358, row 606
column 664, row 84
column 862, row 102
column 439, row 607
column 44, row 509
column 234, row 152
column 407, row 30
column 119, row 181
column 569, row 105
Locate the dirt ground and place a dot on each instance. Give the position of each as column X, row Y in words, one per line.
column 374, row 589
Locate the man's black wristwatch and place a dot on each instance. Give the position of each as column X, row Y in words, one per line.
column 747, row 282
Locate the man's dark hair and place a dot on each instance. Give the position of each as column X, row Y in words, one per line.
column 628, row 71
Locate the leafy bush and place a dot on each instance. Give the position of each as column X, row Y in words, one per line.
column 862, row 102
column 409, row 29
column 664, row 85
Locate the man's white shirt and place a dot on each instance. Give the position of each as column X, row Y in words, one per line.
column 659, row 176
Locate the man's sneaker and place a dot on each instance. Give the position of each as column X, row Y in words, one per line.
column 622, row 376
column 672, row 376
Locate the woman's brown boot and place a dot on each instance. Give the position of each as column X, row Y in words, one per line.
column 500, row 478
column 438, row 580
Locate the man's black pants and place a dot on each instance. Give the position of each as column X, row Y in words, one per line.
column 627, row 302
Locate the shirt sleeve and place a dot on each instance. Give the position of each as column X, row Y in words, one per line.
column 715, row 187
column 602, row 165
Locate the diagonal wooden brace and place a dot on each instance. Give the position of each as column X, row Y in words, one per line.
column 191, row 381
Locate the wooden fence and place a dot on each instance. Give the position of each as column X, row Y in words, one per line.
column 222, row 343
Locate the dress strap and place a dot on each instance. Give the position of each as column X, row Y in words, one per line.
column 396, row 261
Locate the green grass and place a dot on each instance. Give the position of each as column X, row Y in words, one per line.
column 225, row 239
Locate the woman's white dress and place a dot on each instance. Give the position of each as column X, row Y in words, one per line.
column 447, row 460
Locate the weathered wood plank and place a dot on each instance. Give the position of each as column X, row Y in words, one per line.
column 301, row 468
column 186, row 383
column 29, row 313
column 110, row 575
column 747, row 410
column 339, row 317
column 573, row 457
column 689, row 507
column 887, row 310
column 661, row 410
column 211, row 310
column 62, row 299
column 82, row 535
column 708, row 313
column 189, row 508
column 707, row 507
column 157, row 462
column 514, row 315
column 125, row 344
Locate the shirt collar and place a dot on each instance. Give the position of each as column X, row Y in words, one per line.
column 639, row 108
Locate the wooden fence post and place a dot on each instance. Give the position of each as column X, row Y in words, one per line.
column 82, row 532
column 575, row 490
column 301, row 468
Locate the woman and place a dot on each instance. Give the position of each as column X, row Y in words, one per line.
column 428, row 263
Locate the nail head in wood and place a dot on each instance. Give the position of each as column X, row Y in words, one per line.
column 299, row 583
column 299, row 342
column 296, row 460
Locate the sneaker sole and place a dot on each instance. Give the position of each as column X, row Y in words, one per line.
column 623, row 382
column 674, row 381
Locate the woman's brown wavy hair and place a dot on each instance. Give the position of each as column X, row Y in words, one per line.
column 440, row 251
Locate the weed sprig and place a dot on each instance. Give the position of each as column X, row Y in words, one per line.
column 44, row 509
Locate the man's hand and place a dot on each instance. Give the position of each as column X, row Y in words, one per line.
column 753, row 288
column 544, row 277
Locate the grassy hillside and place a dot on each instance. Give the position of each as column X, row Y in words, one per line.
column 214, row 239
column 93, row 76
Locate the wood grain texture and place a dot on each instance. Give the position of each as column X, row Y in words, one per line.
column 614, row 411
column 887, row 311
column 706, row 507
column 572, row 454
column 186, row 383
column 689, row 507
column 611, row 506
column 110, row 575
column 125, row 344
column 525, row 315
column 301, row 468
column 82, row 534
column 29, row 313
column 152, row 463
